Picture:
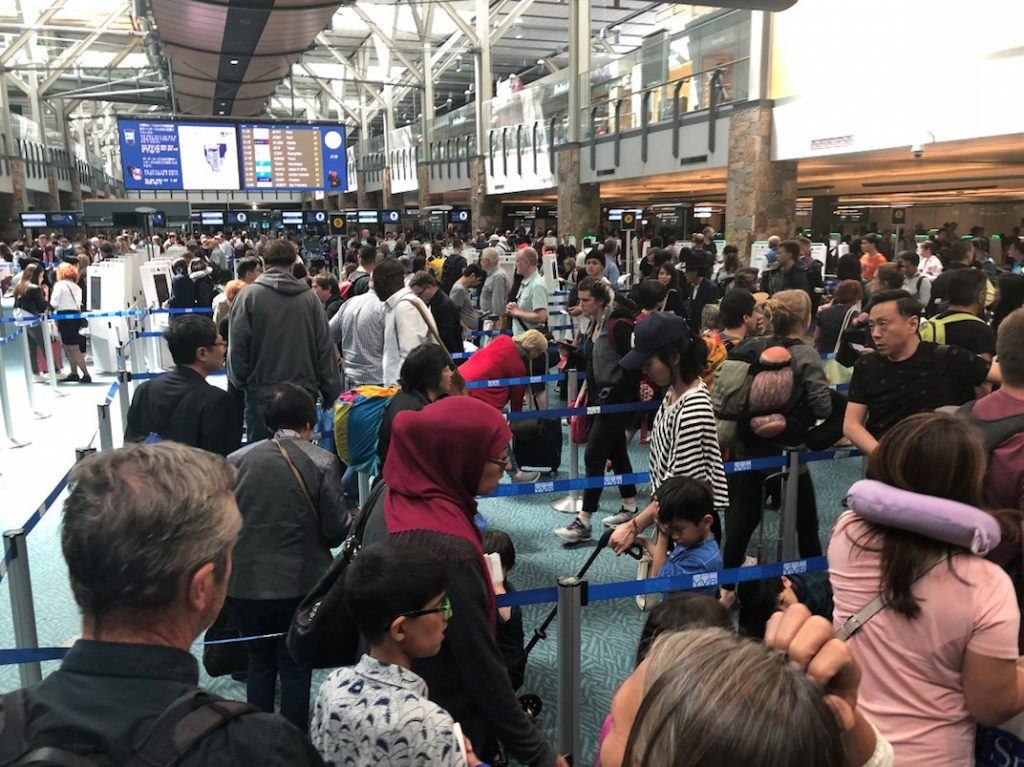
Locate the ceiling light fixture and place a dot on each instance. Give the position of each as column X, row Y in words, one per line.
column 233, row 61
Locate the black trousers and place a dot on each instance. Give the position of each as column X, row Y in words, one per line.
column 744, row 514
column 607, row 440
column 269, row 658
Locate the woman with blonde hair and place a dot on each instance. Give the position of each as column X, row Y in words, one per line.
column 67, row 299
column 506, row 357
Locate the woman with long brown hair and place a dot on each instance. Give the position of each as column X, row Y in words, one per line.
column 30, row 305
column 941, row 656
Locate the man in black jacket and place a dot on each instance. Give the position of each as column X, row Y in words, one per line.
column 699, row 291
column 180, row 405
column 444, row 310
column 147, row 533
column 789, row 273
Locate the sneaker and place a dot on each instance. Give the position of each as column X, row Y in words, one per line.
column 525, row 476
column 40, row 378
column 577, row 531
column 621, row 518
column 70, row 377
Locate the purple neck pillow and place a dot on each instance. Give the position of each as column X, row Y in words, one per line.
column 939, row 518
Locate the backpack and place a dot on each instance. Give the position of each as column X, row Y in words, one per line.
column 717, row 354
column 934, row 329
column 357, row 417
column 993, row 433
column 612, row 383
column 182, row 725
column 451, row 271
column 359, row 286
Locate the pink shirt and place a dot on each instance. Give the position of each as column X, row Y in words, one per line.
column 911, row 687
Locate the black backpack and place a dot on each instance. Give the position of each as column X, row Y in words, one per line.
column 183, row 725
column 451, row 271
column 993, row 433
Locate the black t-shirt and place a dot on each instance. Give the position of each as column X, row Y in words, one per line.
column 830, row 322
column 974, row 336
column 934, row 376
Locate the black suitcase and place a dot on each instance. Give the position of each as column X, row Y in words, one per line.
column 543, row 451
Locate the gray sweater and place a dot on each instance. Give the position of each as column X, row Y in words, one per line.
column 278, row 332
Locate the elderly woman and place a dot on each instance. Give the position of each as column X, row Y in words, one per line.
column 67, row 299
column 441, row 457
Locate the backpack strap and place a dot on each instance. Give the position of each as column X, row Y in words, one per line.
column 183, row 724
column 994, row 432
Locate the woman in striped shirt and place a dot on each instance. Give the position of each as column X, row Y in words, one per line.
column 684, row 441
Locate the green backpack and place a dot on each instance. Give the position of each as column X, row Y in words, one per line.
column 934, row 330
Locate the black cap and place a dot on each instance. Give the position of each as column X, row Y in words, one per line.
column 655, row 331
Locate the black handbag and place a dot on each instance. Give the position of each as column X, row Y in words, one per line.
column 229, row 658
column 322, row 633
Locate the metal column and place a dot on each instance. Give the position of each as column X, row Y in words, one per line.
column 787, row 521
column 5, row 405
column 571, row 598
column 106, row 434
column 579, row 65
column 483, row 74
column 22, row 609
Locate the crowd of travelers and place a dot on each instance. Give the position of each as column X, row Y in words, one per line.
column 896, row 655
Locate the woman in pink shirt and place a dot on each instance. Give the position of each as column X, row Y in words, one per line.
column 941, row 656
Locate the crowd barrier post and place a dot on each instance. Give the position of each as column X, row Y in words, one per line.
column 26, row 353
column 22, row 609
column 106, row 435
column 81, row 453
column 571, row 504
column 571, row 599
column 790, row 494
column 364, row 488
column 5, row 404
column 51, row 366
column 123, row 394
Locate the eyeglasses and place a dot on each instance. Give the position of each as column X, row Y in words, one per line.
column 218, row 343
column 445, row 608
column 501, row 460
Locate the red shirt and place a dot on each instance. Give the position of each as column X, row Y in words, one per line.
column 1004, row 486
column 499, row 359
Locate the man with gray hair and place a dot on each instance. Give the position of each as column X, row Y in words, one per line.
column 494, row 294
column 147, row 535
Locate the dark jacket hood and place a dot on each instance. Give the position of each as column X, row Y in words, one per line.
column 276, row 278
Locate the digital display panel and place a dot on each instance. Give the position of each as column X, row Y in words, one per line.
column 615, row 214
column 291, row 217
column 237, row 218
column 390, row 216
column 33, row 220
column 64, row 220
column 158, row 220
column 212, row 217
column 369, row 216
column 163, row 290
column 460, row 216
column 162, row 154
column 293, row 157
column 314, row 217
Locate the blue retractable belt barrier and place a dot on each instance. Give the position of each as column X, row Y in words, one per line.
column 490, row 384
column 11, row 337
column 151, row 334
column 111, row 392
column 565, row 412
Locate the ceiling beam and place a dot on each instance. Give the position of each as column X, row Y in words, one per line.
column 460, row 22
column 326, row 89
column 26, row 37
column 71, row 55
column 348, row 66
column 389, row 43
column 513, row 16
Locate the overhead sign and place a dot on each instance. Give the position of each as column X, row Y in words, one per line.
column 293, row 157
column 316, row 217
column 63, row 219
column 628, row 221
column 33, row 220
column 390, row 216
column 338, row 222
column 163, row 154
column 212, row 217
column 237, row 218
column 460, row 216
column 899, row 216
column 291, row 217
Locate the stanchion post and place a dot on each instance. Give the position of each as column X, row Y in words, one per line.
column 29, row 383
column 106, row 435
column 571, row 504
column 81, row 453
column 364, row 488
column 123, row 377
column 51, row 367
column 787, row 523
column 571, row 595
column 5, row 404
column 22, row 608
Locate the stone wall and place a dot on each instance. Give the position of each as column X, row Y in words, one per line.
column 362, row 196
column 485, row 210
column 579, row 205
column 760, row 198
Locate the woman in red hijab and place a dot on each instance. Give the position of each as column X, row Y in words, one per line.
column 440, row 459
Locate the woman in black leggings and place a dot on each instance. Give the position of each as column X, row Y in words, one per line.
column 607, row 439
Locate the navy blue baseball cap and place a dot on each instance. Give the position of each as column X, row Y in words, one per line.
column 655, row 331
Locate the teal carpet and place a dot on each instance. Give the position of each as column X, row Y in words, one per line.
column 610, row 629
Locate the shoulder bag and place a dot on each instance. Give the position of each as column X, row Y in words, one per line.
column 457, row 380
column 835, row 371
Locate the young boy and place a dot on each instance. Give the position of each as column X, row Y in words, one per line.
column 377, row 711
column 685, row 514
column 509, row 632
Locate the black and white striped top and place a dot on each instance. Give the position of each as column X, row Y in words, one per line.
column 684, row 442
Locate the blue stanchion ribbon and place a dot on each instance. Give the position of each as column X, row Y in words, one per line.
column 627, row 589
column 151, row 334
column 566, row 412
column 11, row 337
column 111, row 393
column 496, row 382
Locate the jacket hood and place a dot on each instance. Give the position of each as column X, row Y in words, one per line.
column 281, row 281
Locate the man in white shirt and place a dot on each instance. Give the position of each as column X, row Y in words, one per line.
column 930, row 266
column 407, row 320
column 529, row 311
column 358, row 330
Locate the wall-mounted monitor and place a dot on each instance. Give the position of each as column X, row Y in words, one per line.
column 292, row 217
column 169, row 154
column 459, row 216
column 211, row 217
column 158, row 220
column 615, row 214
column 63, row 219
column 369, row 216
column 392, row 217
column 127, row 219
column 33, row 220
column 238, row 217
column 293, row 157
column 315, row 217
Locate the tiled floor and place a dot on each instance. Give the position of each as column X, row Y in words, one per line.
column 610, row 629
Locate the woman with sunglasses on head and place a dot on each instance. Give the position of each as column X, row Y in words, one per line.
column 440, row 459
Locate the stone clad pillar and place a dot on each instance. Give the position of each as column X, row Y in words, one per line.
column 362, row 196
column 485, row 210
column 387, row 199
column 760, row 197
column 579, row 204
column 423, row 186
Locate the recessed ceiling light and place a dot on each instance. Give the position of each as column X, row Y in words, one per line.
column 221, row 112
column 233, row 61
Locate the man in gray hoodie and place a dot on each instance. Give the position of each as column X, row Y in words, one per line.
column 278, row 332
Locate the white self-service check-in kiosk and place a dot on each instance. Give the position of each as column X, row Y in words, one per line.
column 156, row 290
column 108, row 291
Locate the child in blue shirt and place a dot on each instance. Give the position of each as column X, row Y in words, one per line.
column 685, row 514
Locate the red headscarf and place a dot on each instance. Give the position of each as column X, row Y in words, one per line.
column 433, row 469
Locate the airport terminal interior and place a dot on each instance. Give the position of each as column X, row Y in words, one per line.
column 511, row 382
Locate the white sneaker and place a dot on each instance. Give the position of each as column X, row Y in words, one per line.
column 623, row 517
column 577, row 531
column 40, row 378
column 525, row 477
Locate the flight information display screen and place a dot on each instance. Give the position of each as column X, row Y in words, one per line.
column 292, row 217
column 164, row 154
column 292, row 157
column 64, row 220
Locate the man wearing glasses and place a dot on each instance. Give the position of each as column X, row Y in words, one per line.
column 181, row 405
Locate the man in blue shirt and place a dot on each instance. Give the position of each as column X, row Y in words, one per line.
column 685, row 515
